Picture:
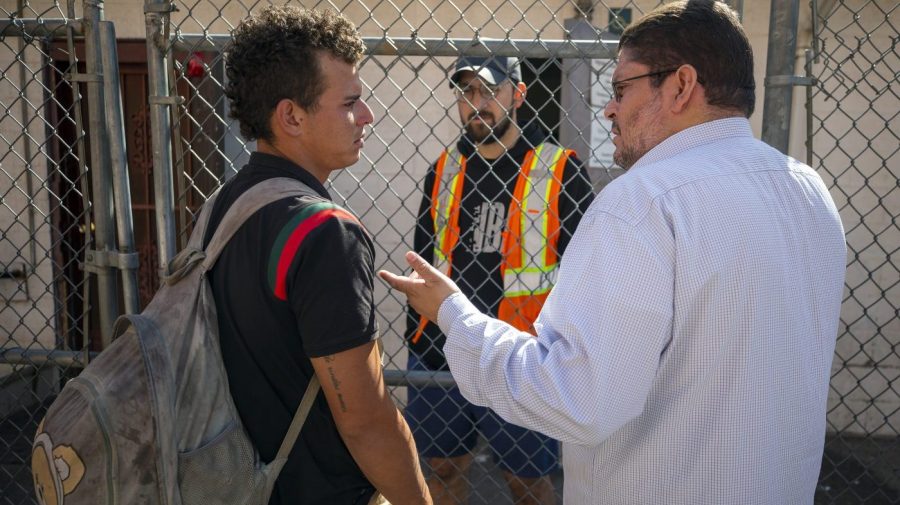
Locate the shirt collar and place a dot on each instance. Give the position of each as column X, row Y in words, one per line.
column 695, row 136
column 290, row 169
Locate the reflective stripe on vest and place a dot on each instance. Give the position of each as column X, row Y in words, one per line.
column 530, row 257
column 450, row 173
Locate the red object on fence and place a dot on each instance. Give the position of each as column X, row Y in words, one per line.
column 195, row 66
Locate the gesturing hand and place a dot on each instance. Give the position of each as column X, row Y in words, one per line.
column 425, row 288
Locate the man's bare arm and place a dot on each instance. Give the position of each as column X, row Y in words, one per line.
column 370, row 424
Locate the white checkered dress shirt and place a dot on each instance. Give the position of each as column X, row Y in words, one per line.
column 684, row 355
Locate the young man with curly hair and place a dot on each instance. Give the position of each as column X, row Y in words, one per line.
column 294, row 286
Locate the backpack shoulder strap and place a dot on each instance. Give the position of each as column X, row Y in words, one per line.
column 299, row 418
column 196, row 239
column 303, row 411
column 257, row 197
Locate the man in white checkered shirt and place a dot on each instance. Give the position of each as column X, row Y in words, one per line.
column 684, row 355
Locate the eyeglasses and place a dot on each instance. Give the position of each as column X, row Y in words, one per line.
column 468, row 92
column 617, row 85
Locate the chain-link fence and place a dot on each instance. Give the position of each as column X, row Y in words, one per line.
column 181, row 146
column 854, row 146
column 46, row 226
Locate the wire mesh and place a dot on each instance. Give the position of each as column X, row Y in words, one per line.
column 44, row 195
column 855, row 149
column 46, row 228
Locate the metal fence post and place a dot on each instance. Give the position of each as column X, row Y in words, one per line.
column 779, row 83
column 156, row 14
column 128, row 260
column 97, row 259
column 808, row 72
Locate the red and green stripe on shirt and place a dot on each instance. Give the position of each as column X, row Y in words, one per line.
column 291, row 237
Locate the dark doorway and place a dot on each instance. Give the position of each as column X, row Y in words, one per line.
column 543, row 77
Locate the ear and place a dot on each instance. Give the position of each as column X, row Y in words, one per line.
column 687, row 86
column 519, row 95
column 288, row 118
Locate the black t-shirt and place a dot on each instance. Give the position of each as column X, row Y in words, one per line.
column 294, row 282
column 487, row 192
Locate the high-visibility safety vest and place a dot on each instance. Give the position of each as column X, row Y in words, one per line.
column 529, row 243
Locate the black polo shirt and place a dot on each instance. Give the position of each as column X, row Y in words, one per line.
column 295, row 282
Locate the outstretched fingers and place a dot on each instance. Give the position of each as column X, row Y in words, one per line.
column 425, row 288
column 421, row 268
column 405, row 283
column 422, row 273
column 398, row 282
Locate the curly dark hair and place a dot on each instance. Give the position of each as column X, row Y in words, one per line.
column 274, row 55
column 705, row 34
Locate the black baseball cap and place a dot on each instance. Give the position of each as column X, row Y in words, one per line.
column 493, row 70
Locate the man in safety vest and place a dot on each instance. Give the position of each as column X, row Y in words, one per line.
column 498, row 210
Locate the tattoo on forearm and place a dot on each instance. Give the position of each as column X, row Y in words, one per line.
column 336, row 384
column 334, row 381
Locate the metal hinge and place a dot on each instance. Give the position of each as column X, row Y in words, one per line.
column 94, row 261
column 790, row 80
column 165, row 100
column 160, row 8
column 84, row 77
